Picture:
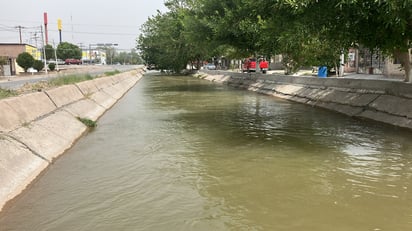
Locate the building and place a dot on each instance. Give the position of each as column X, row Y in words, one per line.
column 10, row 51
column 366, row 61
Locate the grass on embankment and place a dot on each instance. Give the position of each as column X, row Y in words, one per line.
column 111, row 73
column 55, row 82
column 69, row 79
column 4, row 93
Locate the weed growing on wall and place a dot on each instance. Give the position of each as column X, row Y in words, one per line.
column 88, row 122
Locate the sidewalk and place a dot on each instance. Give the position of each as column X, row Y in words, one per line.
column 67, row 69
column 26, row 77
column 352, row 75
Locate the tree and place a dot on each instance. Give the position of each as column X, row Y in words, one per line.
column 38, row 65
column 306, row 32
column 162, row 43
column 50, row 54
column 385, row 25
column 52, row 66
column 25, row 60
column 67, row 50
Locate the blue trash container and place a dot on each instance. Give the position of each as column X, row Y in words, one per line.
column 323, row 72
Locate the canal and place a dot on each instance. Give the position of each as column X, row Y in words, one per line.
column 179, row 153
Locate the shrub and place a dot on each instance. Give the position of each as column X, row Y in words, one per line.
column 52, row 66
column 38, row 65
column 25, row 60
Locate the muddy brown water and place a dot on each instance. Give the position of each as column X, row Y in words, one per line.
column 178, row 153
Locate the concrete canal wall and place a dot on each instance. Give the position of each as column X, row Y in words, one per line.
column 386, row 101
column 38, row 127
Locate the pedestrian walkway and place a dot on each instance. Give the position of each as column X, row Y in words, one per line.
column 352, row 75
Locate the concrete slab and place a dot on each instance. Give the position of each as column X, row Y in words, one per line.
column 51, row 136
column 26, row 108
column 87, row 87
column 18, row 168
column 103, row 99
column 126, row 84
column 393, row 105
column 115, row 91
column 348, row 98
column 9, row 118
column 102, row 83
column 65, row 95
column 288, row 89
column 85, row 108
column 341, row 108
column 387, row 118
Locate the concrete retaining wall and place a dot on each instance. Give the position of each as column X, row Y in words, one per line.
column 38, row 127
column 380, row 100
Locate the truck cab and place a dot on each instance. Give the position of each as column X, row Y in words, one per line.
column 249, row 65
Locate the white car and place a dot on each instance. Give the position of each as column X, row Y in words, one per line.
column 210, row 66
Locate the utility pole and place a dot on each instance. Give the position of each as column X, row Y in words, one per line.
column 20, row 27
column 55, row 56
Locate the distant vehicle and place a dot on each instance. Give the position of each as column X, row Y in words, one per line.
column 249, row 65
column 151, row 67
column 73, row 61
column 59, row 61
column 210, row 66
column 31, row 70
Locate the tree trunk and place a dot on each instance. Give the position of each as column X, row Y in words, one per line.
column 404, row 58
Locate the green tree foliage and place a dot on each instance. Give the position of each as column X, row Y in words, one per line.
column 25, row 60
column 305, row 32
column 49, row 52
column 67, row 50
column 131, row 57
column 384, row 24
column 162, row 43
column 38, row 65
column 52, row 66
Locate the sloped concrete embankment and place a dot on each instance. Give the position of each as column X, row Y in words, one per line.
column 38, row 127
column 380, row 100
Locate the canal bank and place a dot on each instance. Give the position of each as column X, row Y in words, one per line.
column 384, row 101
column 38, row 127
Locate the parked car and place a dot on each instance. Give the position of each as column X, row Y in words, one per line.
column 210, row 66
column 73, row 61
column 59, row 61
column 151, row 67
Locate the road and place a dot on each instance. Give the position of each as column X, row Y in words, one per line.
column 15, row 82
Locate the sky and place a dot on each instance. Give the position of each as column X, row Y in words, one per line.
column 84, row 22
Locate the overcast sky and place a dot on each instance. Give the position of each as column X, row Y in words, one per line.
column 84, row 22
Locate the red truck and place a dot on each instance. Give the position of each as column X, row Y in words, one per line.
column 249, row 65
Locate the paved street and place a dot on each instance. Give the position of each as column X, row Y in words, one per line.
column 15, row 82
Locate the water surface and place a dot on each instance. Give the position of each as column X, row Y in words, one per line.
column 178, row 153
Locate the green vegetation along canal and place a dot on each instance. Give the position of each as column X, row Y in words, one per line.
column 179, row 153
